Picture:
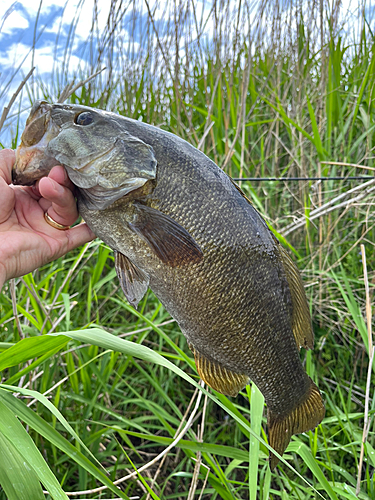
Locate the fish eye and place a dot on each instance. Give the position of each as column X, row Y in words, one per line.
column 84, row 118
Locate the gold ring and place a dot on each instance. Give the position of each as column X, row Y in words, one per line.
column 55, row 224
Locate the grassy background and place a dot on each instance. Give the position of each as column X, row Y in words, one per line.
column 266, row 89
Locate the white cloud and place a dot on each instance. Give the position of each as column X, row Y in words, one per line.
column 43, row 58
column 23, row 14
column 13, row 55
column 84, row 12
column 14, row 21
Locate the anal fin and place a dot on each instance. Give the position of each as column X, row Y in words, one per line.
column 134, row 282
column 219, row 378
column 306, row 416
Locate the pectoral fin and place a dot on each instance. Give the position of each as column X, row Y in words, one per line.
column 169, row 240
column 134, row 282
column 219, row 378
column 301, row 319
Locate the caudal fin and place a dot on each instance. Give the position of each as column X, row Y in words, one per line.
column 304, row 417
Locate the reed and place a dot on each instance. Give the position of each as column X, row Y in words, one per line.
column 266, row 90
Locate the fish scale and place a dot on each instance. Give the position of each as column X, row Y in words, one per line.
column 185, row 230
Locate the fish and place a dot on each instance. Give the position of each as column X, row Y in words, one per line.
column 181, row 227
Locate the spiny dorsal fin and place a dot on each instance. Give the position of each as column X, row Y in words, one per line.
column 301, row 319
column 167, row 238
column 134, row 282
column 306, row 416
column 240, row 191
column 219, row 378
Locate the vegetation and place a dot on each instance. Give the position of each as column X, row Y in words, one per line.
column 265, row 89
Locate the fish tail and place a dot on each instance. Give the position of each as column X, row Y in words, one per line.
column 304, row 417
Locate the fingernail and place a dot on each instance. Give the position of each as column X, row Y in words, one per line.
column 57, row 187
column 35, row 188
column 65, row 174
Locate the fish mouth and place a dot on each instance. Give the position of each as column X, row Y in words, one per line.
column 32, row 162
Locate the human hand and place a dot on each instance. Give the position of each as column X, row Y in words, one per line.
column 27, row 241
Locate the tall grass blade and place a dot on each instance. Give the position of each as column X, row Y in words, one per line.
column 256, row 413
column 16, row 407
column 13, row 431
column 18, row 480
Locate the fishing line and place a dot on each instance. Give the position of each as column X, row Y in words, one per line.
column 301, row 179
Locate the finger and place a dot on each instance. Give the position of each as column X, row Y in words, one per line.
column 7, row 159
column 7, row 199
column 63, row 204
column 59, row 175
column 78, row 235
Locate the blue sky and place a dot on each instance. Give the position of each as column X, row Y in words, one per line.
column 55, row 20
column 17, row 25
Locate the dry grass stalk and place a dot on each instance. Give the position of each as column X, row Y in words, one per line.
column 175, row 79
column 320, row 238
column 366, row 422
column 71, row 88
column 241, row 116
column 14, row 97
column 12, row 287
column 32, row 291
column 204, row 483
column 367, row 188
column 153, row 461
column 344, row 164
column 198, row 462
column 176, row 433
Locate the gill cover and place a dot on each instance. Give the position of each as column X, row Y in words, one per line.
column 100, row 157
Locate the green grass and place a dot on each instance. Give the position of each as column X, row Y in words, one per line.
column 109, row 389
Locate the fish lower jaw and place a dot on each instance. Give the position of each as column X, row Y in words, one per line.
column 33, row 162
column 27, row 168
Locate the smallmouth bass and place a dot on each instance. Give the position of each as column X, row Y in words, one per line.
column 179, row 225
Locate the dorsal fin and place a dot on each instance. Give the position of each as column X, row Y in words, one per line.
column 301, row 319
column 219, row 378
column 240, row 190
